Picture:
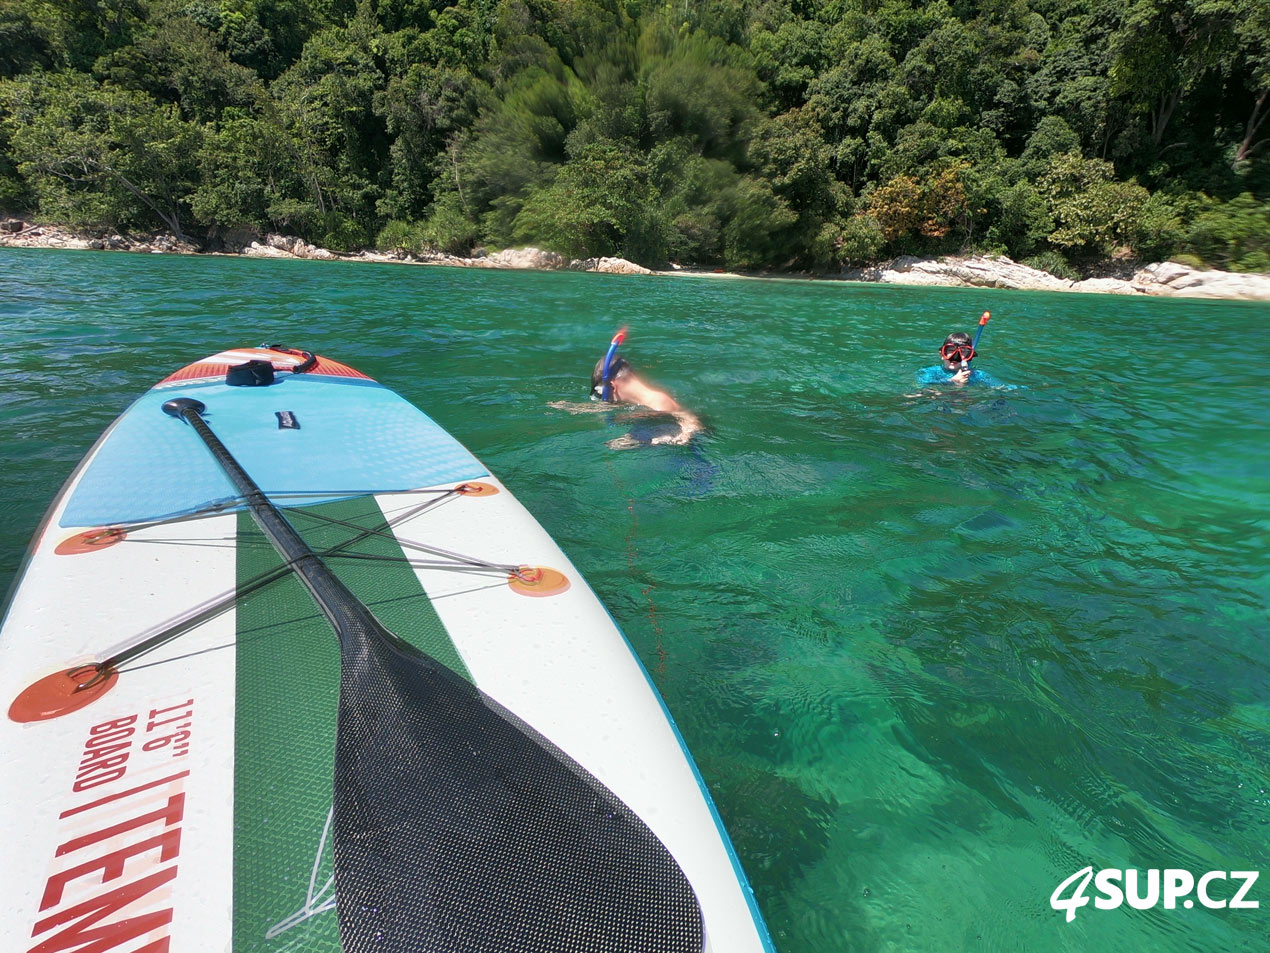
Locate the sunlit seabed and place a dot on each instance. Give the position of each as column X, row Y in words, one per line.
column 933, row 652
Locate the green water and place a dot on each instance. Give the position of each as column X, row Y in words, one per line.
column 933, row 653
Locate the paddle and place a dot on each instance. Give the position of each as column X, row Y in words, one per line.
column 457, row 826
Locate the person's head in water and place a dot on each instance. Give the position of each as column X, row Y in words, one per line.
column 618, row 367
column 956, row 352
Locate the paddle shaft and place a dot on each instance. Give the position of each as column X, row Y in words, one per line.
column 342, row 609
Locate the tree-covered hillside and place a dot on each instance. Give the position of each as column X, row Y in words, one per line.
column 747, row 134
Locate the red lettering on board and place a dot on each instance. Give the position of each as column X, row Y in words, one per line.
column 111, row 865
column 96, row 741
column 83, row 935
column 92, row 768
column 179, row 740
column 131, row 909
column 120, row 795
column 105, row 753
column 116, row 723
column 156, row 712
column 169, row 815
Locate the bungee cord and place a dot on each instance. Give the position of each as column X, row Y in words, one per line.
column 161, row 634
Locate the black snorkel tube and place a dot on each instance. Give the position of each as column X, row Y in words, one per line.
column 606, row 382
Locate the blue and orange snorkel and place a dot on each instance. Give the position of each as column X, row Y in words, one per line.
column 606, row 382
column 983, row 322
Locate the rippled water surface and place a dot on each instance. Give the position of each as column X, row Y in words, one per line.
column 934, row 653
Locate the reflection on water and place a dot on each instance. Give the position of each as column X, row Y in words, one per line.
column 934, row 652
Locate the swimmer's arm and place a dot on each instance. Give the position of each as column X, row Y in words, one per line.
column 638, row 392
column 689, row 424
column 581, row 407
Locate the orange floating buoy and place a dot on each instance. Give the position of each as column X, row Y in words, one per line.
column 62, row 693
column 476, row 489
column 90, row 541
column 538, row 581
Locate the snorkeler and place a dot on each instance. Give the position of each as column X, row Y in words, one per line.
column 956, row 353
column 613, row 381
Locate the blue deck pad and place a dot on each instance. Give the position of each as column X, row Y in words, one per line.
column 354, row 437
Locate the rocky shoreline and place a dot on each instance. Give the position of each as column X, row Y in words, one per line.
column 1159, row 279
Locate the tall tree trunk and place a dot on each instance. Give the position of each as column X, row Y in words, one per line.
column 1161, row 115
column 1255, row 121
column 452, row 150
column 169, row 219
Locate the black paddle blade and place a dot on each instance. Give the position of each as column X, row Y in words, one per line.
column 460, row 829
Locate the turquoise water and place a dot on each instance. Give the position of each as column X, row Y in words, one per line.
column 934, row 653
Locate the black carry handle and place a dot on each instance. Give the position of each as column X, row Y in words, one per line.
column 310, row 359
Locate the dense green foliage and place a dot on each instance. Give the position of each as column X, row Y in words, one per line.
column 746, row 134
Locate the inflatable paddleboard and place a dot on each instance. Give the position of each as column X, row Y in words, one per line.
column 288, row 669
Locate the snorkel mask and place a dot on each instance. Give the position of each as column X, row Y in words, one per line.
column 955, row 353
column 612, row 365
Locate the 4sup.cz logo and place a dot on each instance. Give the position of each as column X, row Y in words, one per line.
column 1144, row 889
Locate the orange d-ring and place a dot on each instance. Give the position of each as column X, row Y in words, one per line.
column 90, row 541
column 62, row 693
column 476, row 489
column 538, row 581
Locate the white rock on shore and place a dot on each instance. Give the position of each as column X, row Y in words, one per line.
column 257, row 250
column 285, row 246
column 609, row 266
column 522, row 258
column 964, row 273
column 1170, row 278
column 1165, row 278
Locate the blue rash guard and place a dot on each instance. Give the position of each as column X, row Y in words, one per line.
column 930, row 376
